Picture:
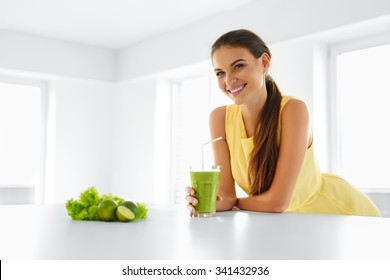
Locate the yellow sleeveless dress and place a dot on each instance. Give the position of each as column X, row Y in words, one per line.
column 314, row 192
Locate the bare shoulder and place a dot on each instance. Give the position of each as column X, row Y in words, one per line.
column 295, row 109
column 295, row 120
column 218, row 114
column 217, row 121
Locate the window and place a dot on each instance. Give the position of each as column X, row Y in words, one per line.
column 362, row 96
column 193, row 100
column 21, row 143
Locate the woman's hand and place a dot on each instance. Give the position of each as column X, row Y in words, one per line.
column 192, row 200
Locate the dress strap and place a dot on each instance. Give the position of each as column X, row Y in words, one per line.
column 284, row 101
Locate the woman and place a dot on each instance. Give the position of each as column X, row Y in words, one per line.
column 268, row 142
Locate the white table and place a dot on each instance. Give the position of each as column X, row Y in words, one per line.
column 46, row 232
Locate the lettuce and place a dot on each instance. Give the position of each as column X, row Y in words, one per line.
column 142, row 211
column 85, row 208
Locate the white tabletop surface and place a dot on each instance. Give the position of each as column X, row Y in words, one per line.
column 47, row 232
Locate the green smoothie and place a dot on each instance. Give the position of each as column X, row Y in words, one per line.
column 205, row 184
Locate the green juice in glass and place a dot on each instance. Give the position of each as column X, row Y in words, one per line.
column 205, row 183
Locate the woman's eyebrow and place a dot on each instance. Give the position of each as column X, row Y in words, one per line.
column 231, row 64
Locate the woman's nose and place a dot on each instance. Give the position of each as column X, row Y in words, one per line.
column 230, row 81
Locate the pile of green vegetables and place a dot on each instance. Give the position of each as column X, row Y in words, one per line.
column 86, row 208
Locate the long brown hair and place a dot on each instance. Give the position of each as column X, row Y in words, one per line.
column 262, row 162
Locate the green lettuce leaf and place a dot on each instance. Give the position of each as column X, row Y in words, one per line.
column 142, row 211
column 85, row 208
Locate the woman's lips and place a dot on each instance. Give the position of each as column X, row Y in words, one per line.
column 236, row 90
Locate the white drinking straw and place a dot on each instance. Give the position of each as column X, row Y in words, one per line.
column 212, row 141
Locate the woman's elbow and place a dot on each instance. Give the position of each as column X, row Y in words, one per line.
column 278, row 208
column 279, row 205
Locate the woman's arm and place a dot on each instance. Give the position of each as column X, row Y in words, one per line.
column 226, row 188
column 295, row 138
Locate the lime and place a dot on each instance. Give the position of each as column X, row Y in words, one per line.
column 107, row 210
column 131, row 206
column 124, row 214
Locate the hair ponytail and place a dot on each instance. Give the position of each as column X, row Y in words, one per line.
column 262, row 163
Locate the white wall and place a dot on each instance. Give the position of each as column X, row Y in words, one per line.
column 83, row 137
column 292, row 68
column 133, row 139
column 39, row 55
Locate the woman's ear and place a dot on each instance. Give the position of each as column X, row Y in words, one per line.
column 265, row 61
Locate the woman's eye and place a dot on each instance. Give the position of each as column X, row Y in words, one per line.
column 218, row 74
column 237, row 66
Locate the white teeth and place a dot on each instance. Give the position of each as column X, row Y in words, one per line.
column 236, row 89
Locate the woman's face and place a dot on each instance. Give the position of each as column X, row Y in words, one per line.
column 240, row 75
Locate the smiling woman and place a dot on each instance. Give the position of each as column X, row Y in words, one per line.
column 268, row 149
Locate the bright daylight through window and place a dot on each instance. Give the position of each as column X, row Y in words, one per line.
column 363, row 93
column 20, row 142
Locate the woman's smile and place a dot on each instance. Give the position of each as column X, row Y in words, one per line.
column 236, row 90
